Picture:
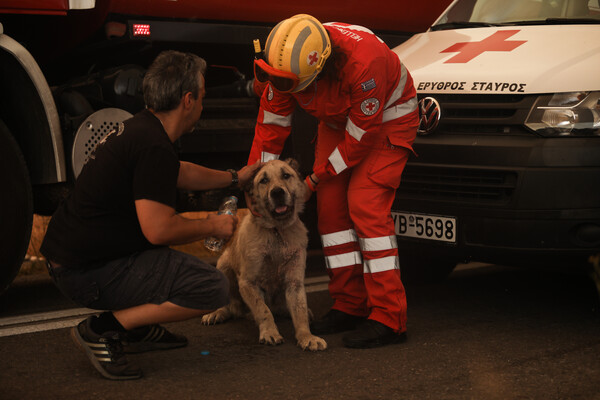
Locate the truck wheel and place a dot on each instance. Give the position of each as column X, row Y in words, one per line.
column 420, row 267
column 16, row 207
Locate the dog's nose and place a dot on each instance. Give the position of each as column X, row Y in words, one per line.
column 277, row 193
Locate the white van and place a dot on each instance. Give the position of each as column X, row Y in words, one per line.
column 508, row 165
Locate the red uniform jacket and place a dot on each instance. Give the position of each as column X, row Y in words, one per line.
column 370, row 99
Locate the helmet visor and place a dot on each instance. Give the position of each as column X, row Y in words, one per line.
column 282, row 81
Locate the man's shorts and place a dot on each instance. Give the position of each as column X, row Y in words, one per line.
column 153, row 276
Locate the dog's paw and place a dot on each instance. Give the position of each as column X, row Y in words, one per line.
column 271, row 337
column 312, row 343
column 213, row 318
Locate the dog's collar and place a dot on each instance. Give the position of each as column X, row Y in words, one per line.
column 254, row 213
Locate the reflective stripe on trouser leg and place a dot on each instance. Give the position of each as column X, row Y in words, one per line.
column 346, row 284
column 343, row 260
column 371, row 193
column 340, row 245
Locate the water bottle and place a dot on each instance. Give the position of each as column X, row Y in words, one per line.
column 229, row 206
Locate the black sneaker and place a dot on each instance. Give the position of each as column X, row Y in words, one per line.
column 105, row 352
column 153, row 337
column 372, row 334
column 335, row 321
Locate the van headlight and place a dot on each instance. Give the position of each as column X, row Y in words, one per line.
column 566, row 114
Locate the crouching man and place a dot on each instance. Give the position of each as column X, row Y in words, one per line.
column 107, row 244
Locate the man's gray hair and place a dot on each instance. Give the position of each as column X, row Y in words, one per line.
column 171, row 75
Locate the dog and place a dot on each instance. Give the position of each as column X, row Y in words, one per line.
column 265, row 260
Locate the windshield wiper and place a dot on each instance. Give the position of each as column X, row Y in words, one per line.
column 561, row 21
column 461, row 24
column 557, row 21
column 547, row 21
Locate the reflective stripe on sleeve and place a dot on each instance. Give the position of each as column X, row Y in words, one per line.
column 81, row 4
column 337, row 161
column 270, row 118
column 378, row 243
column 400, row 110
column 265, row 156
column 336, row 238
column 381, row 265
column 400, row 88
column 354, row 130
column 343, row 260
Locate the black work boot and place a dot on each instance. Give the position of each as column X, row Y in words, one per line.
column 335, row 321
column 372, row 334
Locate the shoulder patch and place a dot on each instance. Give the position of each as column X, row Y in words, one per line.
column 369, row 106
column 368, row 85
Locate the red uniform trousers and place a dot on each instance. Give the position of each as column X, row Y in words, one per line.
column 357, row 231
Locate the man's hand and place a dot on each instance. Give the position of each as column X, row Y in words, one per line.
column 161, row 225
column 246, row 174
column 223, row 225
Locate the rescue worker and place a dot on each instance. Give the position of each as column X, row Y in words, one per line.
column 366, row 104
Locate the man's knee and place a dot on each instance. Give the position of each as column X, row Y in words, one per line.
column 200, row 286
column 221, row 288
column 217, row 289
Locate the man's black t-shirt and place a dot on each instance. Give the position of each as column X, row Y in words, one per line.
column 98, row 221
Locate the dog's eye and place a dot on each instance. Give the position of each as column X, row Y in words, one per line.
column 264, row 180
column 286, row 175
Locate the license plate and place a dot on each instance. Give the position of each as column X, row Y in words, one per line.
column 424, row 226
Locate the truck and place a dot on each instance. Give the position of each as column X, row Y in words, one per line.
column 508, row 165
column 71, row 70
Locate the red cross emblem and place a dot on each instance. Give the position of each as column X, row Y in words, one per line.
column 312, row 58
column 369, row 106
column 496, row 42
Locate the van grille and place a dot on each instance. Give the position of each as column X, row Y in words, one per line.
column 458, row 184
column 483, row 114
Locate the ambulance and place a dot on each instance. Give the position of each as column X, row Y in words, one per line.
column 507, row 164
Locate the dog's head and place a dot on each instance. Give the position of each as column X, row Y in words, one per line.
column 278, row 192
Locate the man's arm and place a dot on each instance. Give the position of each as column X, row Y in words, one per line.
column 196, row 177
column 161, row 225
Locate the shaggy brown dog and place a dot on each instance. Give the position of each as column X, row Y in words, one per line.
column 266, row 258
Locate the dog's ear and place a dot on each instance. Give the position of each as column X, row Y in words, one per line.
column 248, row 189
column 294, row 164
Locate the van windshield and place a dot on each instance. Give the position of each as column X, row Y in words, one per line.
column 476, row 13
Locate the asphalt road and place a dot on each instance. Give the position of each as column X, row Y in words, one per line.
column 489, row 332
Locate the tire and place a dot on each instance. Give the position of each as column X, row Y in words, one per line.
column 16, row 208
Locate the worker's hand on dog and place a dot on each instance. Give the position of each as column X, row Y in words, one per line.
column 246, row 174
column 223, row 225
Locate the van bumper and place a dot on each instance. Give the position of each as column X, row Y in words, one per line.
column 518, row 199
